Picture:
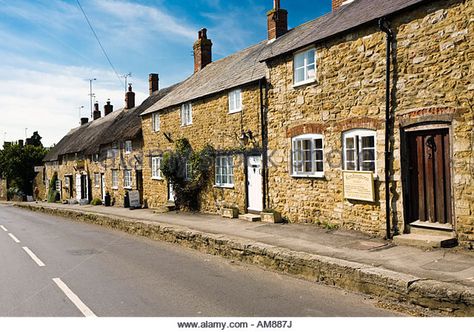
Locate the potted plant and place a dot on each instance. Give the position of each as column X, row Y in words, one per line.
column 229, row 211
column 271, row 216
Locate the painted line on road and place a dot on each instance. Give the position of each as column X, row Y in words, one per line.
column 3, row 227
column 74, row 298
column 14, row 238
column 33, row 256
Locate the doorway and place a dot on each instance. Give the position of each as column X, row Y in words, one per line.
column 254, row 184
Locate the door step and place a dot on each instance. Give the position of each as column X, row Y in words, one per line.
column 250, row 217
column 426, row 240
column 168, row 207
column 426, row 228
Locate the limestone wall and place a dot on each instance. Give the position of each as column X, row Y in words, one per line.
column 432, row 72
column 212, row 124
column 3, row 189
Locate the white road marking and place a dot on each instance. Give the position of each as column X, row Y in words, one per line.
column 14, row 238
column 33, row 256
column 3, row 227
column 74, row 298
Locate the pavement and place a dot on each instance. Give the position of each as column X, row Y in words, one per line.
column 438, row 279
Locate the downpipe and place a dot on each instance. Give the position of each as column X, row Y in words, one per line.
column 384, row 26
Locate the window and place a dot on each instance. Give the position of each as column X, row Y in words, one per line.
column 96, row 180
column 359, row 150
column 307, row 155
column 113, row 151
column 128, row 147
column 224, row 171
column 155, row 119
column 186, row 114
column 156, row 168
column 127, row 178
column 115, row 179
column 304, row 67
column 235, row 101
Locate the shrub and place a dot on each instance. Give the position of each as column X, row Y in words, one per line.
column 96, row 201
column 53, row 194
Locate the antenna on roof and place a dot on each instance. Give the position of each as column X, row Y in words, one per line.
column 126, row 76
column 80, row 115
column 91, row 95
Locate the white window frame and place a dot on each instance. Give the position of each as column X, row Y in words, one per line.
column 155, row 122
column 306, row 64
column 296, row 160
column 224, row 171
column 115, row 179
column 156, row 173
column 127, row 178
column 358, row 135
column 128, row 147
column 186, row 114
column 235, row 101
column 97, row 180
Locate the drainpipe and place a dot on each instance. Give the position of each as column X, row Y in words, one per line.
column 384, row 26
column 262, row 84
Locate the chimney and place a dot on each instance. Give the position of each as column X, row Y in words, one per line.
column 20, row 143
column 129, row 97
column 108, row 108
column 96, row 113
column 277, row 21
column 336, row 4
column 202, row 51
column 84, row 121
column 154, row 83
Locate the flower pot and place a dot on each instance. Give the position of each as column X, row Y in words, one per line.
column 231, row 213
column 271, row 217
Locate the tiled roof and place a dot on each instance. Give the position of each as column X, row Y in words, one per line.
column 121, row 124
column 235, row 70
column 347, row 17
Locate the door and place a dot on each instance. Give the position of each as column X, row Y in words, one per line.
column 102, row 186
column 254, row 183
column 139, row 177
column 78, row 187
column 170, row 192
column 429, row 175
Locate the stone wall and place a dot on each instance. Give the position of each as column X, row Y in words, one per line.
column 212, row 124
column 3, row 189
column 431, row 70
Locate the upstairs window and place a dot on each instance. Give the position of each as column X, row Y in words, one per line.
column 115, row 179
column 128, row 147
column 127, row 179
column 235, row 101
column 155, row 118
column 156, row 168
column 96, row 180
column 186, row 114
column 304, row 67
column 224, row 171
column 307, row 156
column 359, row 150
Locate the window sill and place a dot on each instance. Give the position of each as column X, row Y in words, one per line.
column 128, row 152
column 296, row 85
column 128, row 188
column 304, row 176
column 187, row 125
column 115, row 188
column 235, row 111
column 224, row 186
column 158, row 179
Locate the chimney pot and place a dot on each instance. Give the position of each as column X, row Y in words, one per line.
column 154, row 83
column 108, row 108
column 202, row 51
column 129, row 97
column 277, row 21
column 84, row 121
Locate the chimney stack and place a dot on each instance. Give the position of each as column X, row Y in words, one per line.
column 277, row 21
column 96, row 113
column 108, row 108
column 129, row 97
column 20, row 143
column 154, row 83
column 202, row 51
column 336, row 4
column 84, row 121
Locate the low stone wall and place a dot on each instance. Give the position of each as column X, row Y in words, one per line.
column 441, row 297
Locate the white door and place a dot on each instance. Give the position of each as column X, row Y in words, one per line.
column 170, row 193
column 86, row 178
column 254, row 184
column 103, row 187
column 78, row 187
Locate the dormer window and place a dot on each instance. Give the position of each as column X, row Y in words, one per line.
column 186, row 114
column 304, row 67
column 235, row 101
column 128, row 147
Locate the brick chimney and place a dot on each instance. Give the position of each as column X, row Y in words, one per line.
column 84, row 121
column 339, row 3
column 202, row 51
column 129, row 97
column 277, row 21
column 108, row 108
column 154, row 83
column 96, row 113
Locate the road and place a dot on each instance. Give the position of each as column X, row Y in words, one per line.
column 55, row 267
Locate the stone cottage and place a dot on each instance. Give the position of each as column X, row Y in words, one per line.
column 370, row 119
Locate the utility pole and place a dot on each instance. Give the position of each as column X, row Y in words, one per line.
column 91, row 95
column 126, row 76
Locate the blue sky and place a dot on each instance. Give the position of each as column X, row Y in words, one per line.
column 48, row 52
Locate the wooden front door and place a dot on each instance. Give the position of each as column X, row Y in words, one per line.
column 429, row 175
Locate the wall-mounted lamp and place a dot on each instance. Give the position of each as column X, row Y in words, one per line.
column 246, row 136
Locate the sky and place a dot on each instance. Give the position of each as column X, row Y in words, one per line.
column 48, row 53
